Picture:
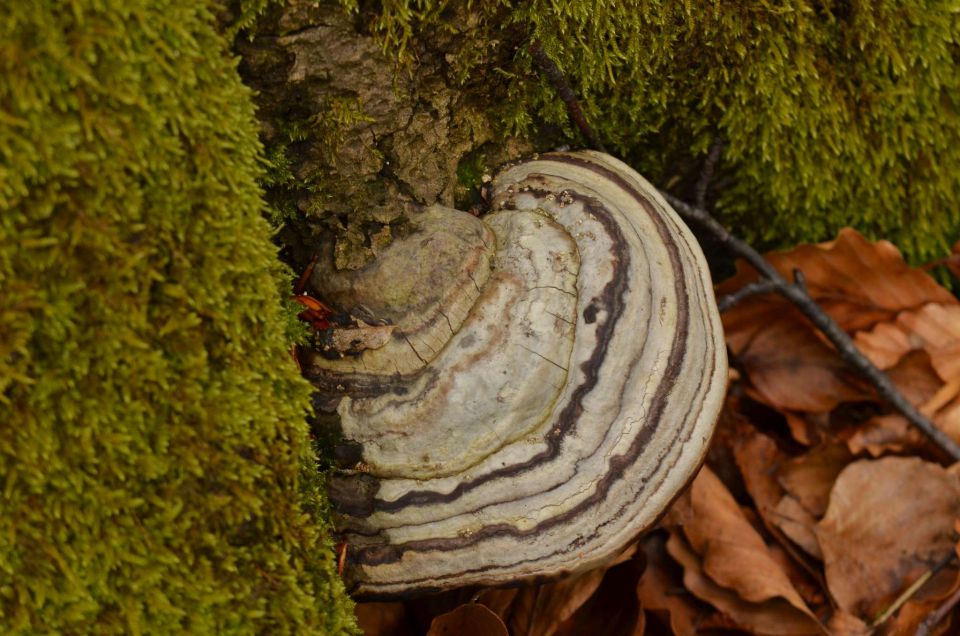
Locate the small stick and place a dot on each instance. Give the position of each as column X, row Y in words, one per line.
column 560, row 84
column 706, row 175
column 749, row 290
column 926, row 627
column 911, row 590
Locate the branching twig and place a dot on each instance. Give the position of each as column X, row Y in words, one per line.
column 795, row 292
column 553, row 73
column 749, row 290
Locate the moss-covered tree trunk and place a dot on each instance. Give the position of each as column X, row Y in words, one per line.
column 156, row 475
column 829, row 113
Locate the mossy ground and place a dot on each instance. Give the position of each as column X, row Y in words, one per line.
column 156, row 474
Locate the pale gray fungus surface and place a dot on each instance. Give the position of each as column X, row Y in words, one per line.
column 552, row 383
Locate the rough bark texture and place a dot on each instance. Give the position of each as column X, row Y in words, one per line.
column 364, row 138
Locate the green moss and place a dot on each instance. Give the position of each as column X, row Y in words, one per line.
column 832, row 114
column 156, row 474
column 244, row 15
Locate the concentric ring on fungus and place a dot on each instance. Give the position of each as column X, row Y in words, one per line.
column 552, row 383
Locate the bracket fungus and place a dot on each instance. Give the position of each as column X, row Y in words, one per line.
column 551, row 382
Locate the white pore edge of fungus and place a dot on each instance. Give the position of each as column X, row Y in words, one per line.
column 551, row 385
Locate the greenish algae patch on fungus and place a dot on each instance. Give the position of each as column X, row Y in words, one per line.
column 156, row 474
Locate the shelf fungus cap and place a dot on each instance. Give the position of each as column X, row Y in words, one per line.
column 551, row 384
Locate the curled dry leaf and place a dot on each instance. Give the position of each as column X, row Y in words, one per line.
column 758, row 458
column 798, row 524
column 760, row 461
column 791, row 368
column 858, row 282
column 938, row 327
column 845, row 624
column 889, row 308
column 662, row 594
column 732, row 568
column 808, row 428
column 917, row 380
column 934, row 328
column 539, row 610
column 885, row 433
column 810, row 477
column 790, row 494
column 885, row 344
column 888, row 521
column 471, row 619
column 775, row 616
column 613, row 609
column 383, row 619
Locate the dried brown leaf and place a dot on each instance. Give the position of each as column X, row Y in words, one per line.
column 661, row 591
column 539, row 610
column 924, row 603
column 758, row 458
column 774, row 616
column 734, row 554
column 915, row 378
column 798, row 524
column 808, row 428
column 383, row 619
column 792, row 368
column 845, row 624
column 857, row 282
column 938, row 326
column 948, row 419
column 928, row 375
column 888, row 520
column 810, row 477
column 863, row 286
column 498, row 600
column 805, row 579
column 885, row 344
column 471, row 619
column 920, row 384
column 613, row 609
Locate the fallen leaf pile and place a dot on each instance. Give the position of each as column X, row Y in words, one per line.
column 820, row 510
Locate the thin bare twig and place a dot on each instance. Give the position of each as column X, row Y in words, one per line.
column 926, row 627
column 797, row 294
column 756, row 288
column 912, row 590
column 553, row 73
column 706, row 175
